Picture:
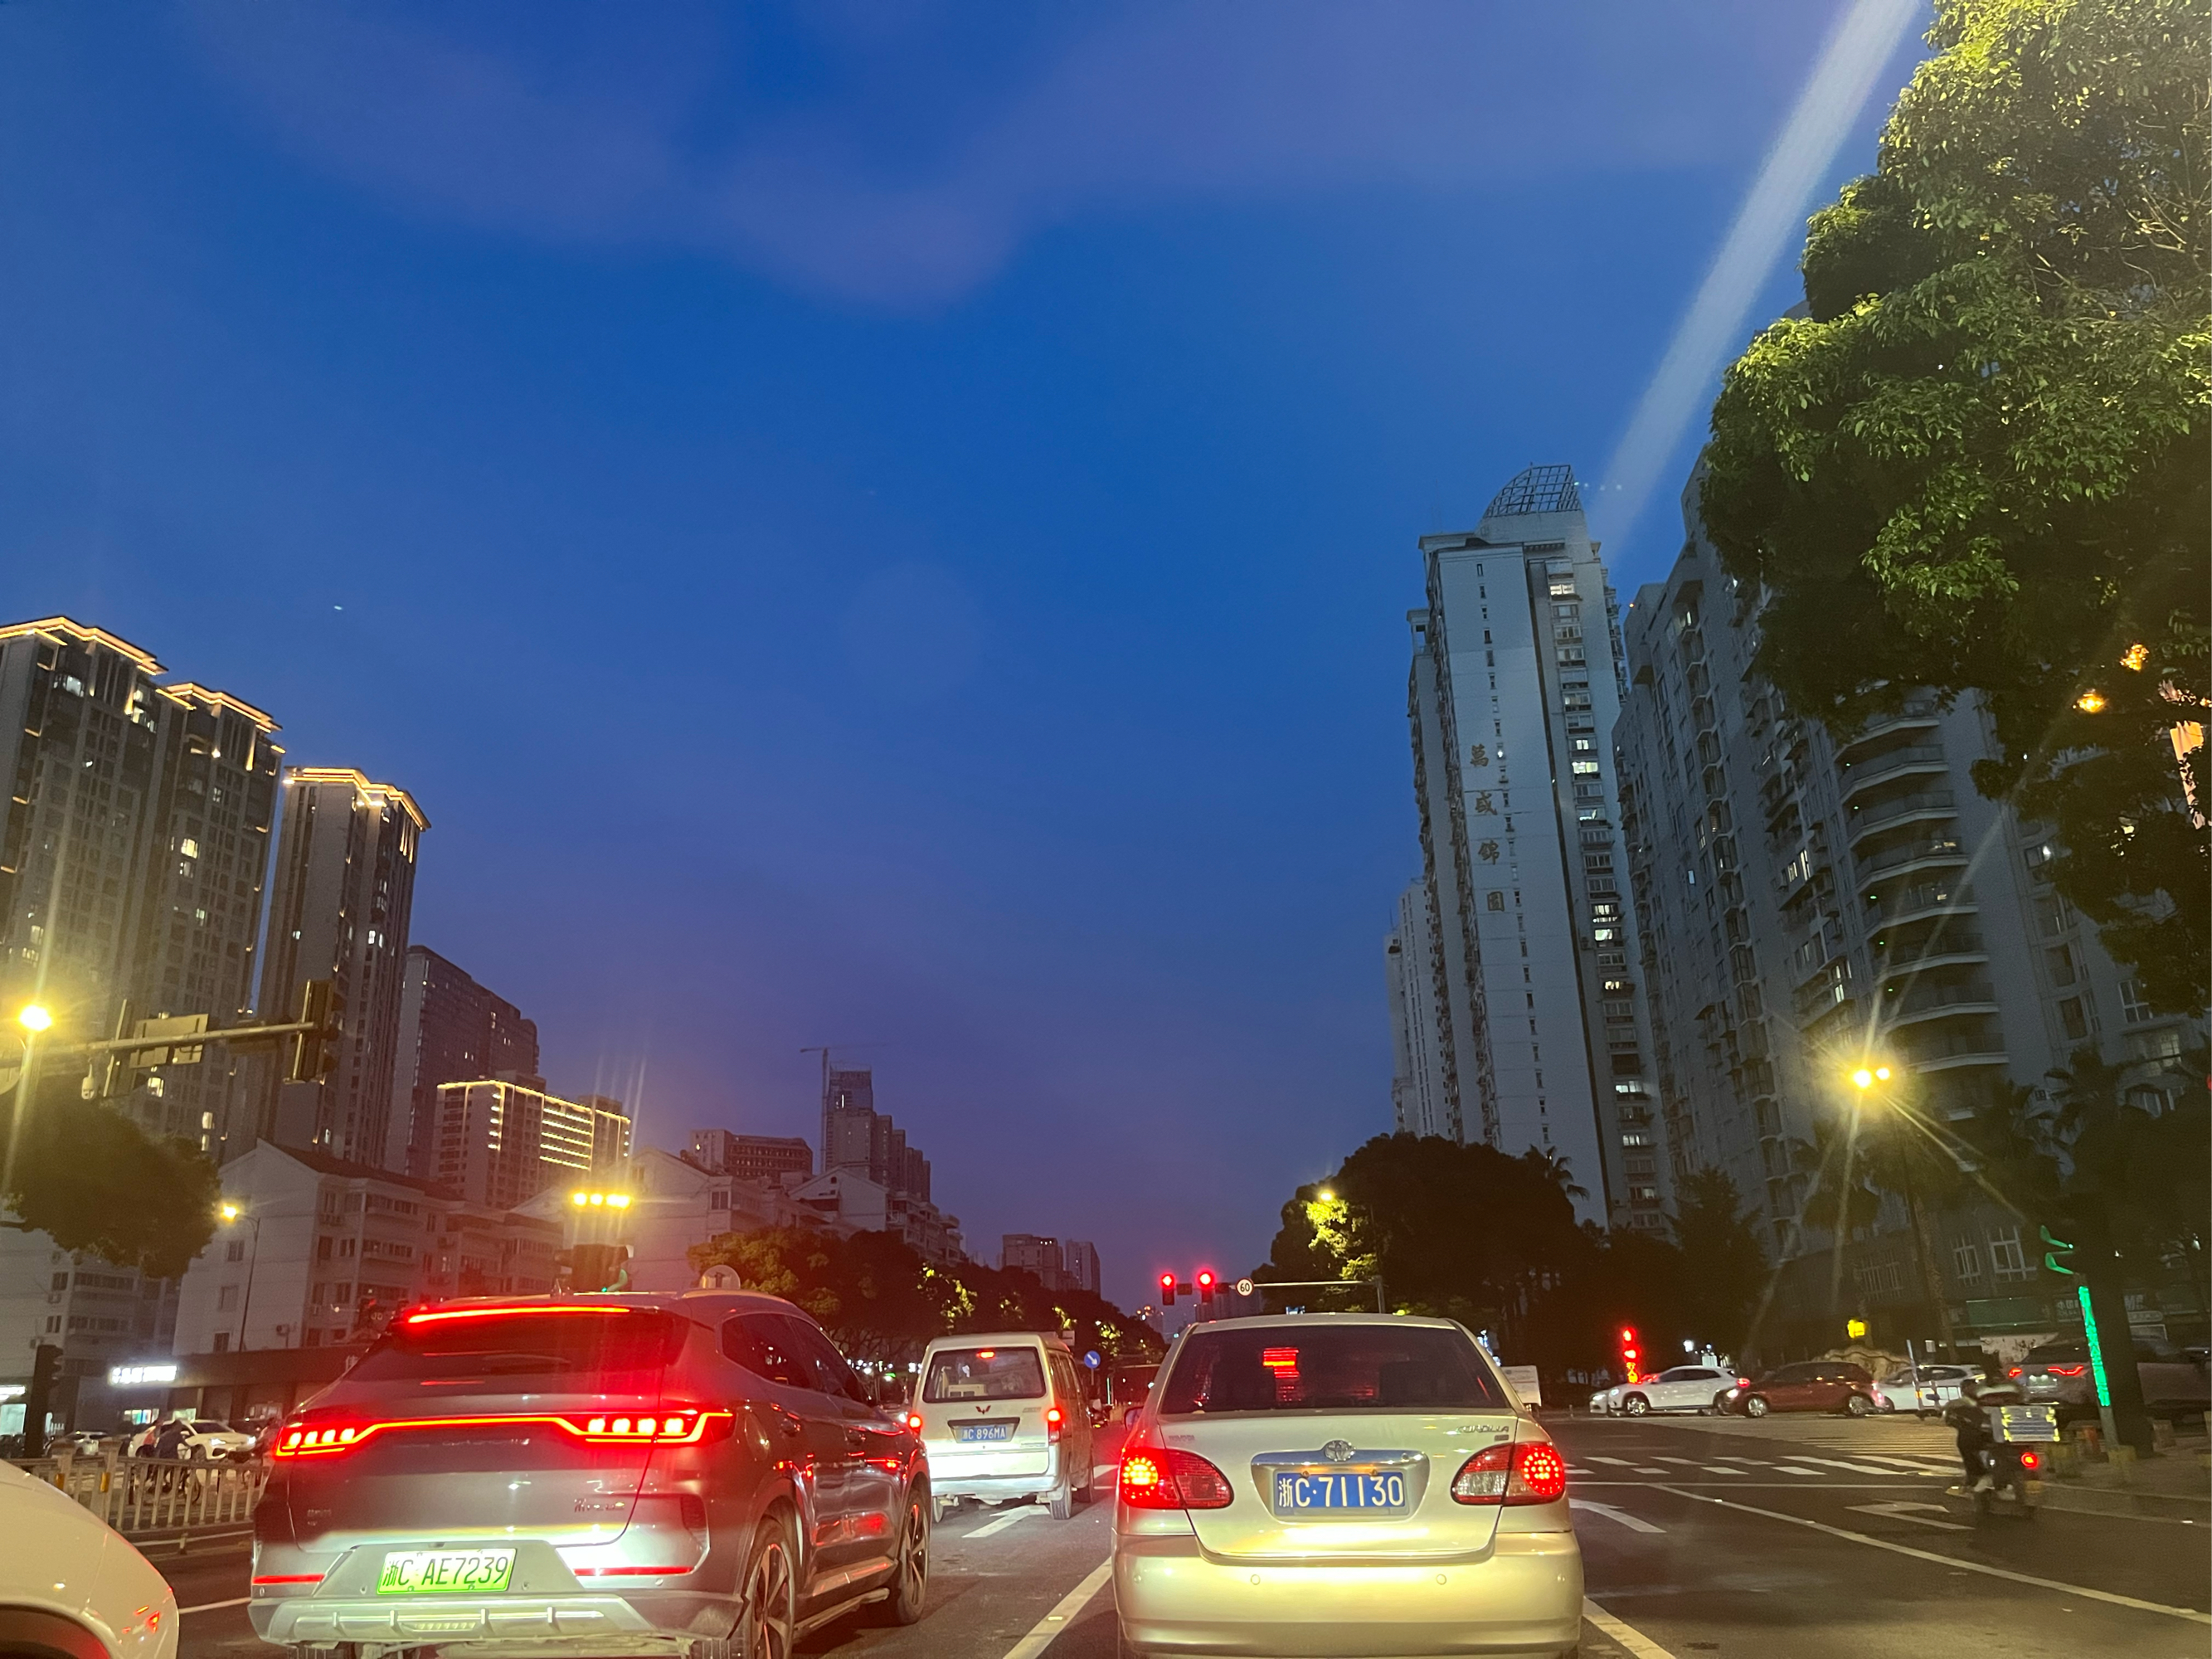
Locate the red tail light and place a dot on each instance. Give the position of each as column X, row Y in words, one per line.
column 2030, row 1459
column 1525, row 1471
column 1161, row 1477
column 2012, row 1372
column 668, row 1426
column 2063, row 1370
column 527, row 1310
column 1052, row 1423
column 914, row 1421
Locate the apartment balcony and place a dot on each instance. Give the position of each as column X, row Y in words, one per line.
column 1918, row 714
column 1956, row 1052
column 1918, row 759
column 1932, row 852
column 1942, row 1002
column 1919, row 902
column 1921, row 805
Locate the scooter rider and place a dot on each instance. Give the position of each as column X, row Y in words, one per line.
column 1969, row 1415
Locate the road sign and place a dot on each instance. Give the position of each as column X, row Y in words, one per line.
column 1093, row 1359
column 1244, row 1287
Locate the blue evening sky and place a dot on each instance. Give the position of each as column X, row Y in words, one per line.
column 878, row 524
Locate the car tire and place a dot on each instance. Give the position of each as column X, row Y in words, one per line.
column 1856, row 1406
column 1720, row 1403
column 1060, row 1500
column 768, row 1601
column 1636, row 1405
column 1755, row 1406
column 909, row 1585
column 941, row 1507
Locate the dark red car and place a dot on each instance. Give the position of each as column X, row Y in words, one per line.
column 1811, row 1385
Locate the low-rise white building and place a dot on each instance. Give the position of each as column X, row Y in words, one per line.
column 318, row 1249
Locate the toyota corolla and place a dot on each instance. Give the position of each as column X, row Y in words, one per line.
column 1339, row 1483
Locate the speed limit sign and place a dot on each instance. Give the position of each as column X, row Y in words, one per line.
column 1243, row 1287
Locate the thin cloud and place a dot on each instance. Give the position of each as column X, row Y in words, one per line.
column 1146, row 105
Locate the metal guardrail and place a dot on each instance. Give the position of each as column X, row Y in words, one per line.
column 149, row 1495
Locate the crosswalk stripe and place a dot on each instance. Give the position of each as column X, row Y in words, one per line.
column 1722, row 1468
column 1839, row 1463
column 1809, row 1475
column 1686, row 1462
column 1617, row 1462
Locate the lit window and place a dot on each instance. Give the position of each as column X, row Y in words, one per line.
column 1585, row 768
column 189, row 847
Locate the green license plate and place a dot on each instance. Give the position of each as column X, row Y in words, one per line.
column 446, row 1573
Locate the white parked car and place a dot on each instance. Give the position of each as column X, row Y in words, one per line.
column 1932, row 1387
column 204, row 1438
column 1370, row 1473
column 71, row 1586
column 1606, row 1401
column 1678, row 1388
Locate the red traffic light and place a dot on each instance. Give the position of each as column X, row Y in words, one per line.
column 1167, row 1289
column 1205, row 1282
column 1628, row 1333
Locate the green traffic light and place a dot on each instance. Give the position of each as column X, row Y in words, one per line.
column 2058, row 1247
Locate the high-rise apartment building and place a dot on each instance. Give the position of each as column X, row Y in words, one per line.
column 1515, row 684
column 1030, row 1253
column 1079, row 1262
column 750, row 1158
column 856, row 1136
column 1414, row 984
column 343, row 888
column 452, row 1030
column 501, row 1143
column 132, row 851
column 1809, row 905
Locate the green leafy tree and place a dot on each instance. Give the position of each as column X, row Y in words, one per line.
column 2142, row 1170
column 86, row 1173
column 1723, row 1261
column 1977, row 463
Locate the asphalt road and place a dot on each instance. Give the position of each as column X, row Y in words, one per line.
column 1805, row 1537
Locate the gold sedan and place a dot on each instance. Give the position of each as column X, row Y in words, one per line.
column 1342, row 1485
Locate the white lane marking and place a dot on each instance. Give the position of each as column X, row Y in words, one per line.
column 1901, row 1512
column 1634, row 1523
column 1617, row 1462
column 1686, row 1462
column 210, row 1607
column 1809, row 1475
column 1638, row 1643
column 1012, row 1518
column 1730, row 1457
column 1958, row 1563
column 1062, row 1614
column 1839, row 1463
column 1643, row 1469
column 1722, row 1468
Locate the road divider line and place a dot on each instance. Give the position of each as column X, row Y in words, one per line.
column 210, row 1607
column 1956, row 1562
column 1062, row 1614
column 1638, row 1643
column 1011, row 1518
column 1633, row 1522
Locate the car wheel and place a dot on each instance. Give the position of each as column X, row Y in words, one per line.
column 1720, row 1403
column 1061, row 1499
column 909, row 1584
column 1755, row 1406
column 941, row 1507
column 768, row 1616
column 1856, row 1406
column 1636, row 1405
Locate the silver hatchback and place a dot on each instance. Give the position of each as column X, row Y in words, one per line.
column 1339, row 1484
column 699, row 1475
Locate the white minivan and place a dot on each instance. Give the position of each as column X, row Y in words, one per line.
column 1003, row 1416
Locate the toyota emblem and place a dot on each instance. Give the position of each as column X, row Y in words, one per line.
column 1338, row 1452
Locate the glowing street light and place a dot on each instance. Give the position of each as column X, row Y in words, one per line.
column 598, row 1200
column 35, row 1017
column 2090, row 703
column 1866, row 1076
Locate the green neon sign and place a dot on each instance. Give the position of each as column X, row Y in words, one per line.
column 2096, row 1350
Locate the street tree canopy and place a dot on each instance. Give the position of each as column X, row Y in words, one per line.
column 86, row 1173
column 1977, row 463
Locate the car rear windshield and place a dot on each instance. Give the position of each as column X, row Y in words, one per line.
column 527, row 1352
column 1330, row 1368
column 984, row 1374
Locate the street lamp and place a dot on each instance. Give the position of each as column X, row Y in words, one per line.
column 231, row 1211
column 35, row 1017
column 1865, row 1078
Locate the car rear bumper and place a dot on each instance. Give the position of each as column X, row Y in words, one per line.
column 587, row 1620
column 1525, row 1597
column 948, row 1480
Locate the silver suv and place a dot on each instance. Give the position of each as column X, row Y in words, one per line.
column 700, row 1475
